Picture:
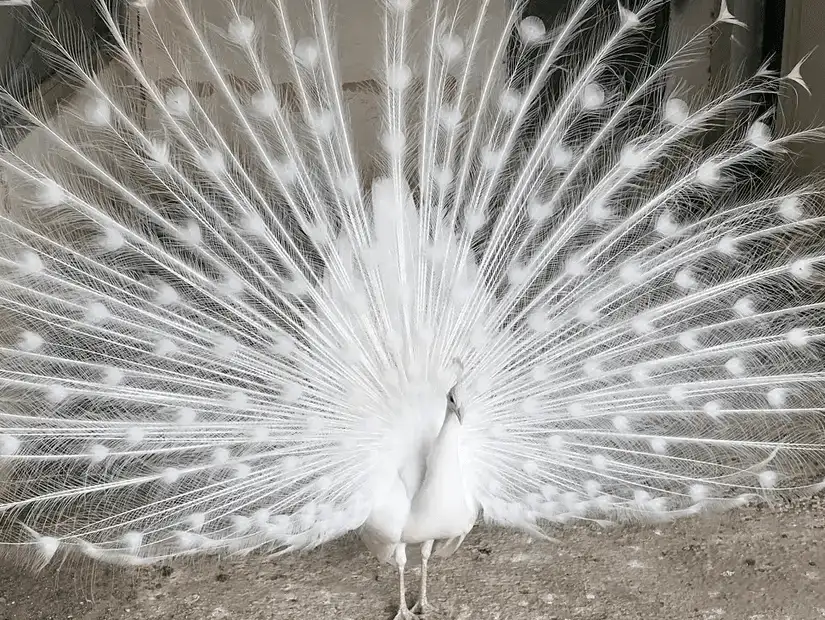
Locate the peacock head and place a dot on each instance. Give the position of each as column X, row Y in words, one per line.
column 453, row 406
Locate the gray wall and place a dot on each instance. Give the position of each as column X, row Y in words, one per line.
column 804, row 34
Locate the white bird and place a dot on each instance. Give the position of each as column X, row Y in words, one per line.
column 426, row 500
column 555, row 300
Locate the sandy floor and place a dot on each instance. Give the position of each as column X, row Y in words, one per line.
column 766, row 564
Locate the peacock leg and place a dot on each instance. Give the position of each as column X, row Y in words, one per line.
column 423, row 606
column 401, row 561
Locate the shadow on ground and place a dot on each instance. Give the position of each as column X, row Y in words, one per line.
column 756, row 564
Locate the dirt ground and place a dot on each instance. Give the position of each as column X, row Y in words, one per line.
column 755, row 564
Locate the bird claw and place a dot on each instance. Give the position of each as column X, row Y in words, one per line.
column 405, row 614
column 425, row 608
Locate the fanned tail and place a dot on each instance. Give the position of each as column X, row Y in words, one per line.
column 219, row 329
column 656, row 339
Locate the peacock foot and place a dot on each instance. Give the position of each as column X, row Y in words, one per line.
column 405, row 614
column 425, row 608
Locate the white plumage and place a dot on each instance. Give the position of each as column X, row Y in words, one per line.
column 426, row 498
column 561, row 296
